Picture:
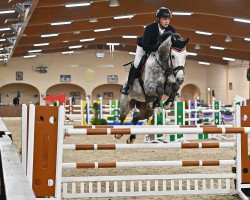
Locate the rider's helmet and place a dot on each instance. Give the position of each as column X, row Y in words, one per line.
column 163, row 12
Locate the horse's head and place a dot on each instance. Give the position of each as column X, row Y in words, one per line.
column 172, row 52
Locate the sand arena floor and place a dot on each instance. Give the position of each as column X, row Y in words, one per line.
column 14, row 126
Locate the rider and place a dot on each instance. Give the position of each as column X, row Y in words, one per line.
column 148, row 43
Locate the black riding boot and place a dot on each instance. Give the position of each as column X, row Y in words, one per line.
column 131, row 77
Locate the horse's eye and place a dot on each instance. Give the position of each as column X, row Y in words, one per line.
column 172, row 57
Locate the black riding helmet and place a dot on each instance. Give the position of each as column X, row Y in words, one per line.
column 163, row 12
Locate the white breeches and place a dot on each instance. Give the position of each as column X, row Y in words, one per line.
column 139, row 53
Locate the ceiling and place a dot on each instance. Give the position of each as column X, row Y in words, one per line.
column 24, row 28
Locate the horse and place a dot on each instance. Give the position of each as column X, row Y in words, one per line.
column 163, row 74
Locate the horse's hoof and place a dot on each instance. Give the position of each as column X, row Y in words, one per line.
column 129, row 141
column 118, row 136
column 167, row 106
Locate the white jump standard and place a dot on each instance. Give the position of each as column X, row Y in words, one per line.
column 52, row 184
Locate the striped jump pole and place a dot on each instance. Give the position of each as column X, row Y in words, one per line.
column 143, row 131
column 84, row 147
column 146, row 126
column 191, row 163
column 66, row 127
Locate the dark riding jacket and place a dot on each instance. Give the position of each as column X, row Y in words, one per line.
column 150, row 37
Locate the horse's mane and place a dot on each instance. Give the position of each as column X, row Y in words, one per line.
column 175, row 39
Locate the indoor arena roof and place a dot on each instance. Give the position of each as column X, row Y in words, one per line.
column 27, row 29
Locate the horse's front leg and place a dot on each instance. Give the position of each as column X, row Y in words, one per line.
column 132, row 137
column 153, row 89
column 170, row 101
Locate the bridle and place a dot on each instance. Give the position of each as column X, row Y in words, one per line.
column 168, row 66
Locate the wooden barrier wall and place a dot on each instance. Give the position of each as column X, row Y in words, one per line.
column 10, row 111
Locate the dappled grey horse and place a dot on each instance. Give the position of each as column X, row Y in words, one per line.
column 163, row 74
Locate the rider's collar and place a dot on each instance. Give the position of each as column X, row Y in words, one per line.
column 161, row 30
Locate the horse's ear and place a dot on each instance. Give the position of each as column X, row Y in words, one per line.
column 173, row 40
column 186, row 41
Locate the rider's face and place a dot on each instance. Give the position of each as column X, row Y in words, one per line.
column 164, row 22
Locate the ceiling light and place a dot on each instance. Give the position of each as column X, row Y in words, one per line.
column 102, row 29
column 1, row 49
column 3, row 59
column 6, row 11
column 113, row 3
column 182, row 13
column 203, row 33
column 87, row 40
column 30, row 56
column 218, row 48
column 41, row 44
column 242, row 20
column 35, row 51
column 113, row 44
column 75, row 47
column 4, row 54
column 4, row 29
column 197, row 46
column 77, row 4
column 12, row 20
column 93, row 20
column 2, row 40
column 228, row 39
column 129, row 36
column 247, row 39
column 192, row 54
column 204, row 63
column 132, row 53
column 67, row 52
column 50, row 35
column 229, row 59
column 124, row 17
column 60, row 23
column 76, row 32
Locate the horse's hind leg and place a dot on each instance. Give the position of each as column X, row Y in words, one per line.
column 122, row 118
column 124, row 110
column 132, row 137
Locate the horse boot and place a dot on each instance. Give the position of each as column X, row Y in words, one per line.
column 168, row 103
column 131, row 77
